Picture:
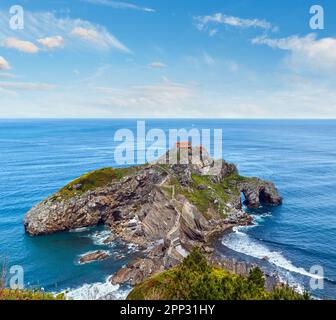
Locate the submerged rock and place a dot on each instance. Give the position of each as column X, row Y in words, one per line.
column 93, row 256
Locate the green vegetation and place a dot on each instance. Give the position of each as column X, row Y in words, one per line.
column 194, row 279
column 9, row 294
column 206, row 194
column 93, row 180
column 204, row 198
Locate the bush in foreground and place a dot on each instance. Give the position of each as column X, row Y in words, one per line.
column 194, row 279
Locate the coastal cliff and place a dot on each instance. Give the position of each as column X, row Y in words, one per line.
column 166, row 209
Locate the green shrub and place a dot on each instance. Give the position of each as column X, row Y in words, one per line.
column 194, row 279
column 9, row 294
column 257, row 277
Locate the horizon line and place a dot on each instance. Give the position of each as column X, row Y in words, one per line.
column 168, row 118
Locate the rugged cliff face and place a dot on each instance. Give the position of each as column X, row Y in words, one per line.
column 166, row 209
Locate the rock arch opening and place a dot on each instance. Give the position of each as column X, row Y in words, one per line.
column 250, row 198
column 242, row 199
column 255, row 196
column 264, row 197
column 117, row 215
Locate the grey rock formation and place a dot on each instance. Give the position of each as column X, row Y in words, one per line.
column 93, row 256
column 258, row 192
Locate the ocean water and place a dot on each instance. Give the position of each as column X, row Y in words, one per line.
column 37, row 157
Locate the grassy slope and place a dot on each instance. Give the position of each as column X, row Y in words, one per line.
column 8, row 294
column 204, row 199
column 194, row 279
column 94, row 180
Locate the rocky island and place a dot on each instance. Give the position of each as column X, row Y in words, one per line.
column 166, row 209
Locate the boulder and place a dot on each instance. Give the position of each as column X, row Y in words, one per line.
column 94, row 256
column 136, row 272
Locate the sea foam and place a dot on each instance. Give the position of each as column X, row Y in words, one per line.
column 97, row 291
column 100, row 236
column 241, row 242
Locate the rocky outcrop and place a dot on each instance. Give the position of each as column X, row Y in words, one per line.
column 93, row 256
column 114, row 202
column 50, row 216
column 259, row 192
column 166, row 209
column 137, row 271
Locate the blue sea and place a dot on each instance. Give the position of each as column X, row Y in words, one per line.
column 38, row 157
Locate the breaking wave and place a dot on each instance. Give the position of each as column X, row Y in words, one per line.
column 79, row 230
column 241, row 242
column 99, row 237
column 98, row 291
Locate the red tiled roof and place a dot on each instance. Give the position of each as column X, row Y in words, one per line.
column 183, row 144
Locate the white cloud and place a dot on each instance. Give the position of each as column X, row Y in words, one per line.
column 203, row 22
column 20, row 45
column 7, row 92
column 102, row 39
column 7, row 75
column 120, row 5
column 44, row 25
column 157, row 65
column 52, row 42
column 233, row 66
column 210, row 61
column 213, row 32
column 166, row 99
column 305, row 52
column 290, row 99
column 12, row 87
column 89, row 35
column 153, row 97
column 4, row 65
column 26, row 85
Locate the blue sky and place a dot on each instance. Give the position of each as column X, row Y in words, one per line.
column 167, row 58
